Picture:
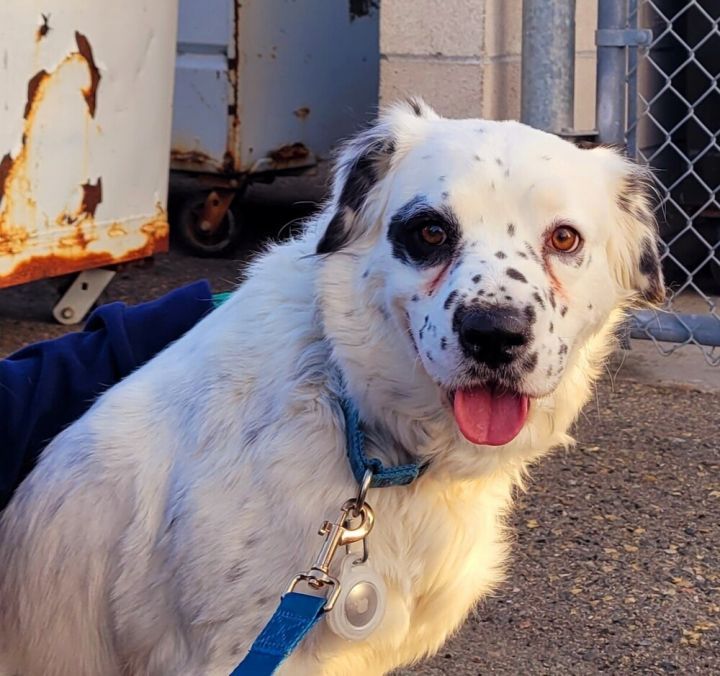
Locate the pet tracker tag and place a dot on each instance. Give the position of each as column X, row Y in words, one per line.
column 360, row 606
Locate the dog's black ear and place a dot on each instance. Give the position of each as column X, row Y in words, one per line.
column 417, row 107
column 634, row 200
column 362, row 163
column 633, row 246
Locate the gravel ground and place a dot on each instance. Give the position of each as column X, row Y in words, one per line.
column 616, row 564
column 616, row 560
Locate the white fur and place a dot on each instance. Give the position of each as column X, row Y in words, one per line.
column 157, row 532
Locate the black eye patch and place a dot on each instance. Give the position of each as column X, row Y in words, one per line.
column 405, row 234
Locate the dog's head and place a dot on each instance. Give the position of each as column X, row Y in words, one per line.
column 479, row 259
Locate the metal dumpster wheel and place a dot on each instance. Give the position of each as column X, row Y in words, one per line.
column 206, row 225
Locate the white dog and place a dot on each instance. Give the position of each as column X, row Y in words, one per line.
column 464, row 283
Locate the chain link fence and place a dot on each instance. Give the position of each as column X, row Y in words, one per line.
column 672, row 124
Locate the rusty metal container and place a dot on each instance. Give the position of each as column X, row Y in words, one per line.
column 85, row 115
column 264, row 87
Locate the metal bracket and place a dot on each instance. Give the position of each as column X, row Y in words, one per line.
column 214, row 209
column 589, row 137
column 623, row 37
column 82, row 294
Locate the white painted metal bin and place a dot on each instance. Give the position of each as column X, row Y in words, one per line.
column 85, row 118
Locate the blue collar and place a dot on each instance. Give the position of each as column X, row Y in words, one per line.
column 360, row 463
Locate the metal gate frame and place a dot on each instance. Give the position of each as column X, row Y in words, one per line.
column 624, row 107
column 623, row 110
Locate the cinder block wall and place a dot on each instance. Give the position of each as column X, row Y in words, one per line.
column 463, row 56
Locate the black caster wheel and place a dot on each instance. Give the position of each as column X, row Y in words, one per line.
column 197, row 236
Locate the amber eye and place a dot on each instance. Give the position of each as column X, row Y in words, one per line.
column 565, row 239
column 433, row 234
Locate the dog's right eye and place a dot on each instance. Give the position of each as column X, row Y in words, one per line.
column 423, row 236
column 434, row 234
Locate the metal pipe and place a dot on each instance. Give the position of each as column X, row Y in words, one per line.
column 548, row 64
column 632, row 84
column 611, row 75
column 670, row 328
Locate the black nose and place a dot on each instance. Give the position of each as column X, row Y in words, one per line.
column 491, row 336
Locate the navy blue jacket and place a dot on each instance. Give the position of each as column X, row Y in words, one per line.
column 46, row 386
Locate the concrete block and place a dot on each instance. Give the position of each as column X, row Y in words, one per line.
column 501, row 90
column 585, row 90
column 432, row 27
column 453, row 89
column 464, row 56
column 503, row 28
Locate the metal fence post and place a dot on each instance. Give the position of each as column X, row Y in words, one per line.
column 632, row 83
column 548, row 64
column 611, row 74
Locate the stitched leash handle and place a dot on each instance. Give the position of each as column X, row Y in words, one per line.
column 296, row 615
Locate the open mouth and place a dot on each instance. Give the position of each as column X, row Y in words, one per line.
column 489, row 416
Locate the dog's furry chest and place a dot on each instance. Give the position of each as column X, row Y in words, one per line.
column 436, row 561
column 436, row 564
column 230, row 534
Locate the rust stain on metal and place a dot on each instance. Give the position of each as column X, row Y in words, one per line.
column 35, row 245
column 64, row 219
column 44, row 28
column 76, row 240
column 190, row 156
column 33, row 88
column 231, row 161
column 228, row 164
column 116, row 230
column 155, row 230
column 302, row 113
column 13, row 240
column 289, row 152
column 5, row 166
column 201, row 161
column 90, row 93
column 14, row 237
column 92, row 196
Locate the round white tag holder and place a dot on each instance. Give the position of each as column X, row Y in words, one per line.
column 360, row 606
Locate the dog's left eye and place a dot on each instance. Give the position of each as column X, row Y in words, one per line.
column 433, row 234
column 565, row 239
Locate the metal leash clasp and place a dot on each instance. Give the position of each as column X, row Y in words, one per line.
column 337, row 534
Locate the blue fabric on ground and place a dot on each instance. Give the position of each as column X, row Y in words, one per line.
column 46, row 386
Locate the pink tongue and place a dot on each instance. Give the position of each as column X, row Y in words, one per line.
column 489, row 418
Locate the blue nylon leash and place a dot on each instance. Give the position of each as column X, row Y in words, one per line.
column 298, row 613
